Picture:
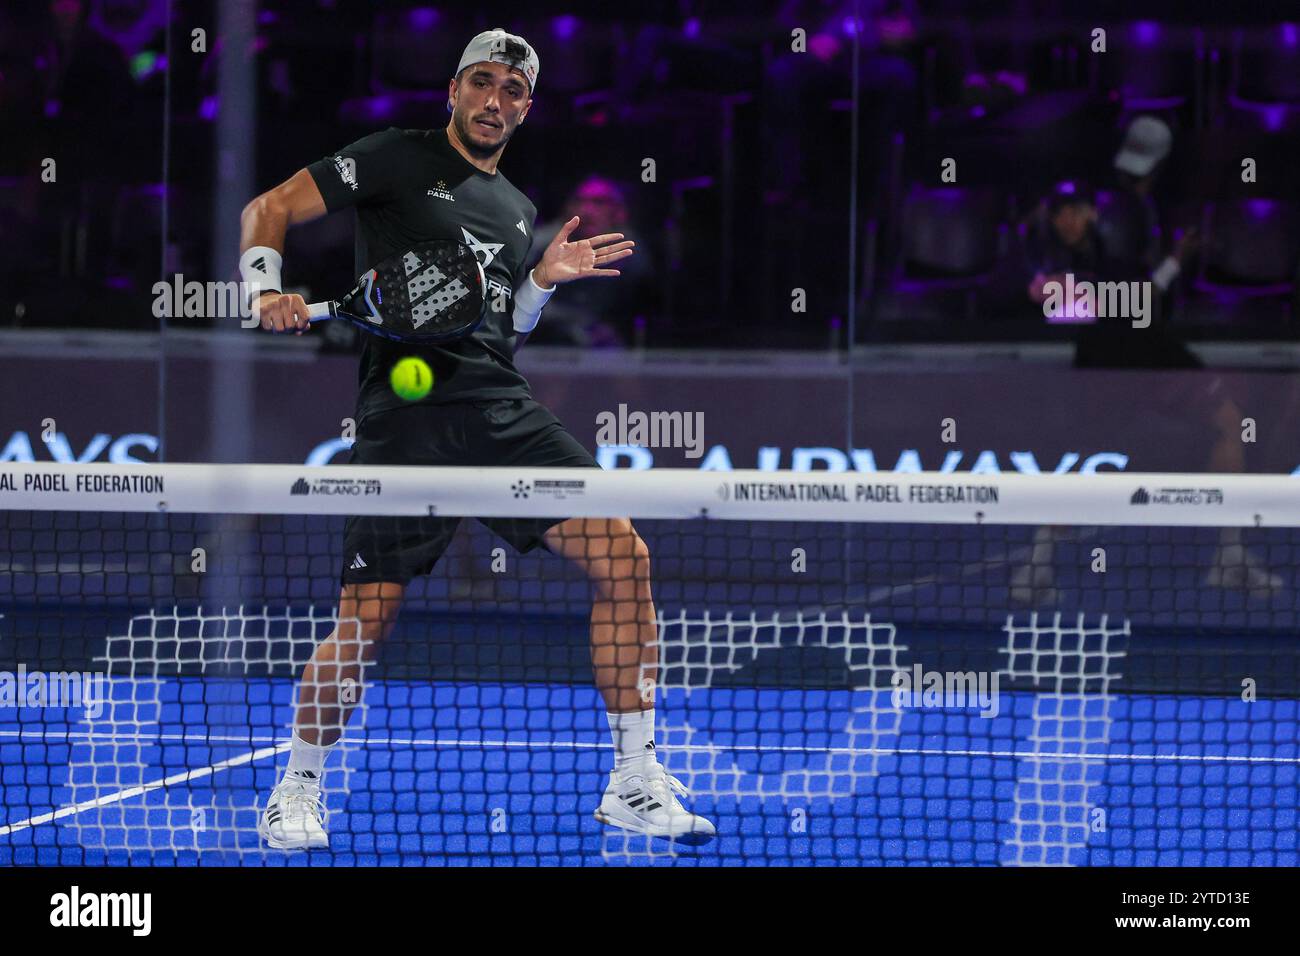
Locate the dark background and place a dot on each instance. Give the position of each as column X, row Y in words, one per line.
column 776, row 171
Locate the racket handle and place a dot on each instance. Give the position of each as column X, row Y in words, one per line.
column 320, row 310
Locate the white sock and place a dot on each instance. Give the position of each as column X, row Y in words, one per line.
column 634, row 740
column 306, row 760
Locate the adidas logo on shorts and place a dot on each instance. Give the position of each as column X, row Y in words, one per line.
column 357, row 563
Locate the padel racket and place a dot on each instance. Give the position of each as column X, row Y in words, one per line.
column 433, row 292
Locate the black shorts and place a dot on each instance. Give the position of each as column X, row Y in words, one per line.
column 473, row 434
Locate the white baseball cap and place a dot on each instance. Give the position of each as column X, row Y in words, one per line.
column 1146, row 143
column 498, row 46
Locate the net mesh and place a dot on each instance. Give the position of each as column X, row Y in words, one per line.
column 840, row 692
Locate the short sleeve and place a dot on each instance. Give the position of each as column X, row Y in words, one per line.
column 360, row 173
column 533, row 254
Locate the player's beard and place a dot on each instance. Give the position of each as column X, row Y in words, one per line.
column 463, row 129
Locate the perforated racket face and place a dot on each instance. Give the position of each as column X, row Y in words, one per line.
column 433, row 292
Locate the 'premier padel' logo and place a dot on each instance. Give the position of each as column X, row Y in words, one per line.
column 1177, row 496
column 336, row 486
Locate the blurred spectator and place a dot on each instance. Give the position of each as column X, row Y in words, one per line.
column 1069, row 237
column 603, row 313
column 1065, row 240
column 1134, row 227
column 1131, row 232
column 1136, row 219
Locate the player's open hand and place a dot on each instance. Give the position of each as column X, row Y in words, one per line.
column 281, row 313
column 565, row 261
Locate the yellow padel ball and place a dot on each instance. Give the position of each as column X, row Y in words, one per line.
column 411, row 378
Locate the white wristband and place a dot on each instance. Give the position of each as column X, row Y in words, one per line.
column 529, row 301
column 259, row 268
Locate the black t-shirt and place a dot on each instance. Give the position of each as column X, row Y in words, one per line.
column 411, row 186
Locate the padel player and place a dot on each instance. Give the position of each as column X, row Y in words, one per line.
column 411, row 186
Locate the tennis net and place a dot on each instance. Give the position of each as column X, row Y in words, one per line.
column 847, row 668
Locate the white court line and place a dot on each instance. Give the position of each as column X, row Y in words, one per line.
column 182, row 777
column 593, row 745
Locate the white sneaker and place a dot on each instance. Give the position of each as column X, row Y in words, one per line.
column 294, row 818
column 647, row 803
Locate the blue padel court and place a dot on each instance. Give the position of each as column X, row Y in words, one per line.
column 490, row 774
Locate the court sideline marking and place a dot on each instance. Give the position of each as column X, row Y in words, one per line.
column 182, row 777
